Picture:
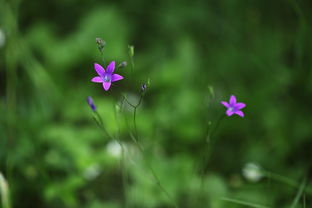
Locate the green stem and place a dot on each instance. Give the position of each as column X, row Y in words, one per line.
column 250, row 204
column 134, row 116
column 99, row 121
column 132, row 68
column 102, row 54
column 123, row 163
column 141, row 149
column 207, row 148
column 299, row 194
column 286, row 180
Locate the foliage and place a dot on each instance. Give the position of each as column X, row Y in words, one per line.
column 195, row 53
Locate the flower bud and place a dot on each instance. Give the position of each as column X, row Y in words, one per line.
column 143, row 87
column 122, row 64
column 91, row 103
column 131, row 50
column 101, row 43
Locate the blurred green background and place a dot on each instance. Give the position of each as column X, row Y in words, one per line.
column 196, row 53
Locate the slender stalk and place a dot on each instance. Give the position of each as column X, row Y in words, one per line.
column 141, row 149
column 286, row 180
column 132, row 67
column 99, row 121
column 134, row 117
column 207, row 147
column 122, row 163
column 299, row 194
column 250, row 204
column 103, row 59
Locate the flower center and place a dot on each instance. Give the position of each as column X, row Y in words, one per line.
column 107, row 78
column 231, row 109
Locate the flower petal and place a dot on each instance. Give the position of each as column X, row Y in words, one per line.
column 97, row 79
column 239, row 106
column 99, row 69
column 232, row 100
column 116, row 77
column 240, row 113
column 106, row 85
column 229, row 112
column 111, row 67
column 225, row 104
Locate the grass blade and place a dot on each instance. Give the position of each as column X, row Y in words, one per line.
column 250, row 204
column 299, row 193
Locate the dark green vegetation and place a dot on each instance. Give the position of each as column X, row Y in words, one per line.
column 196, row 53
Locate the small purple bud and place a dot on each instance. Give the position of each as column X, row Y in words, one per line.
column 122, row 64
column 91, row 103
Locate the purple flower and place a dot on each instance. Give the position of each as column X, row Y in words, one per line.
column 234, row 107
column 106, row 77
column 91, row 103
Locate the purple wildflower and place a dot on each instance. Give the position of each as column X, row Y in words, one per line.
column 106, row 77
column 234, row 107
column 91, row 103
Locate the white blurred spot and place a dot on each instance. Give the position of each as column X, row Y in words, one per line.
column 92, row 172
column 2, row 38
column 252, row 172
column 114, row 149
column 4, row 191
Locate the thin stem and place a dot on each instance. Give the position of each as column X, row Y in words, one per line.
column 141, row 149
column 286, row 180
column 210, row 132
column 158, row 183
column 207, row 147
column 101, row 126
column 134, row 117
column 132, row 67
column 299, row 194
column 123, row 164
column 250, row 204
column 134, row 112
column 125, row 99
column 99, row 121
column 102, row 54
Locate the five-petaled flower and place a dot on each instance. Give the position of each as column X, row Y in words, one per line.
column 233, row 107
column 106, row 77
